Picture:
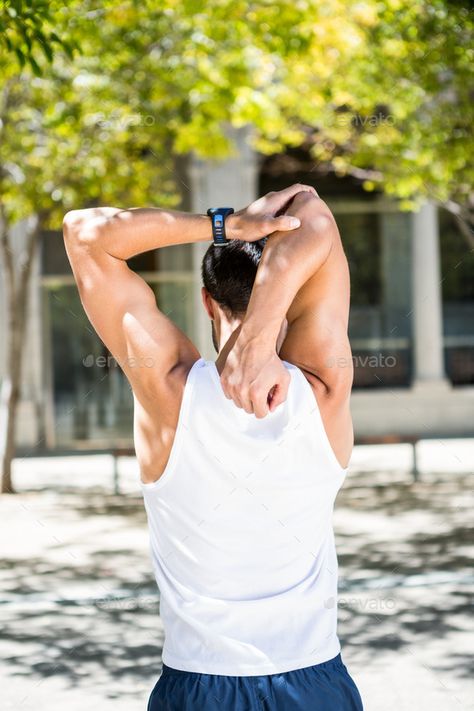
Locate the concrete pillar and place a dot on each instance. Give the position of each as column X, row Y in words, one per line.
column 427, row 299
column 228, row 183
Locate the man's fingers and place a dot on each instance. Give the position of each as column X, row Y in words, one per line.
column 258, row 399
column 279, row 393
column 226, row 388
column 297, row 188
column 236, row 393
column 285, row 223
column 275, row 398
column 253, row 401
column 276, row 203
column 245, row 403
column 260, row 408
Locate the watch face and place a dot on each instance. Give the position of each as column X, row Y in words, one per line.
column 218, row 215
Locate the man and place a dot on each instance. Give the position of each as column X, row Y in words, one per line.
column 240, row 459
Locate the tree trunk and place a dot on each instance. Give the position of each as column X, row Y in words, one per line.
column 17, row 286
column 9, row 398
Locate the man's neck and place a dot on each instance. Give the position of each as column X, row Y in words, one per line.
column 229, row 336
column 228, row 339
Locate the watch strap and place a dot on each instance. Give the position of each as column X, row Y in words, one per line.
column 218, row 215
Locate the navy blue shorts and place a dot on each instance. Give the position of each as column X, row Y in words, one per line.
column 322, row 687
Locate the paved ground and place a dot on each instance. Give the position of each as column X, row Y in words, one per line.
column 79, row 610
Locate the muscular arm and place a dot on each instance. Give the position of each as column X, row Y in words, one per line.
column 318, row 315
column 303, row 277
column 118, row 302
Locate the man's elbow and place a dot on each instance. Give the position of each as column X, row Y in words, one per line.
column 339, row 379
column 78, row 227
column 311, row 209
column 316, row 217
column 338, row 372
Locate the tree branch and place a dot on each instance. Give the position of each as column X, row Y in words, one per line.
column 464, row 219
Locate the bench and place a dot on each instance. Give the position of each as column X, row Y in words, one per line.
column 412, row 439
column 117, row 452
column 398, row 439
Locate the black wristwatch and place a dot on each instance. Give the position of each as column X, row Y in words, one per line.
column 218, row 215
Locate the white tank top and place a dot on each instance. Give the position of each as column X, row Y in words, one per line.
column 241, row 534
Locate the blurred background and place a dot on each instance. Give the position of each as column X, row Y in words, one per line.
column 189, row 105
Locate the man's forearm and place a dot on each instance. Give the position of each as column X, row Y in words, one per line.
column 126, row 233
column 287, row 262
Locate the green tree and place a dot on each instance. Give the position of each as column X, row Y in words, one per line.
column 27, row 27
column 381, row 90
column 58, row 151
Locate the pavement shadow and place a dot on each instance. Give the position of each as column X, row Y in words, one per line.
column 97, row 616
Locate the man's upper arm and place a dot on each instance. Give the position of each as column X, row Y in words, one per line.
column 123, row 311
column 316, row 339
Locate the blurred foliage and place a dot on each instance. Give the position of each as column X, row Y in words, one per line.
column 28, row 27
column 380, row 88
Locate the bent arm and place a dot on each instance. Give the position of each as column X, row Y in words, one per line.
column 303, row 277
column 120, row 305
column 317, row 339
column 125, row 233
column 286, row 266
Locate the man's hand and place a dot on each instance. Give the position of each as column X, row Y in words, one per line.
column 254, row 377
column 263, row 216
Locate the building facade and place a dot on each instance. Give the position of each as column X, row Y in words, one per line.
column 411, row 323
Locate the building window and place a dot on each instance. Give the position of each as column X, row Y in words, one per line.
column 457, row 279
column 377, row 246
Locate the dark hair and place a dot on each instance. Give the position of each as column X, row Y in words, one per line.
column 228, row 273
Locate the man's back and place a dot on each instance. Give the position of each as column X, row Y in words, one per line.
column 237, row 470
column 241, row 533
